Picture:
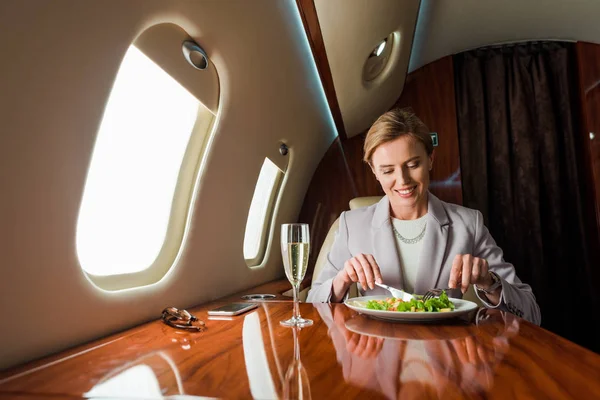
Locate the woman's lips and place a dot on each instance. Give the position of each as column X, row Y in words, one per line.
column 406, row 193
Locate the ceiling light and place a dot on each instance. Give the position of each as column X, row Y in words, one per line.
column 380, row 47
column 194, row 55
column 379, row 57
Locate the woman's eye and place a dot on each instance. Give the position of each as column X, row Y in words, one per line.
column 387, row 172
column 413, row 165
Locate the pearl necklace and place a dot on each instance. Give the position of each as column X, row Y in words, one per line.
column 410, row 241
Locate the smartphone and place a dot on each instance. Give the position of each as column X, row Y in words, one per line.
column 233, row 309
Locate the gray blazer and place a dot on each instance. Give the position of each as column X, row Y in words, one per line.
column 451, row 229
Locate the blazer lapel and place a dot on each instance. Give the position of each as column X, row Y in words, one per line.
column 385, row 250
column 434, row 247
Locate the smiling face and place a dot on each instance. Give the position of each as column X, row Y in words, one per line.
column 402, row 168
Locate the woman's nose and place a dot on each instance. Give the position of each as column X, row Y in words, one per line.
column 403, row 176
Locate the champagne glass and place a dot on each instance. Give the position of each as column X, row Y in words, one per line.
column 295, row 246
column 296, row 385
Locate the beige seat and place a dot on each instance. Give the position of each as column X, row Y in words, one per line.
column 322, row 258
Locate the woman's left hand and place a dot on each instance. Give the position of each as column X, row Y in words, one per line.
column 467, row 270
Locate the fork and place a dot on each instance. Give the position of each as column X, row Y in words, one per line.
column 397, row 293
column 431, row 293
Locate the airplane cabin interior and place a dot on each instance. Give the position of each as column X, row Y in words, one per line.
column 182, row 182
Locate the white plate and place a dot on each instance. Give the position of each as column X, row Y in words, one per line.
column 359, row 304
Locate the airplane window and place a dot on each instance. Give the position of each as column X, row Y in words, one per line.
column 133, row 174
column 261, row 211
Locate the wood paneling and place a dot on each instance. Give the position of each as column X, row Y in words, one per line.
column 490, row 354
column 429, row 91
column 308, row 13
column 588, row 61
column 328, row 194
column 364, row 179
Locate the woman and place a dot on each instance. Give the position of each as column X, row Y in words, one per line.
column 413, row 240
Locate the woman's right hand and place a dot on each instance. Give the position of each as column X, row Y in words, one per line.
column 361, row 268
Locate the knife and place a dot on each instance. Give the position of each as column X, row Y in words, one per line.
column 397, row 293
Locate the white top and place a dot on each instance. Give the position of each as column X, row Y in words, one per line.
column 409, row 253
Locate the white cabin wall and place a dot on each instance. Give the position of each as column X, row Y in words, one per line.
column 59, row 60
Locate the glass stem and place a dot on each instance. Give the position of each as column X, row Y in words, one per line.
column 296, row 344
column 296, row 303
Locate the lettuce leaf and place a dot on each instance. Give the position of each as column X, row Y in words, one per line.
column 417, row 304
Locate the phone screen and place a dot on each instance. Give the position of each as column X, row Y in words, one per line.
column 233, row 308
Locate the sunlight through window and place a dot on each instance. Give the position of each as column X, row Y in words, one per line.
column 135, row 165
column 260, row 212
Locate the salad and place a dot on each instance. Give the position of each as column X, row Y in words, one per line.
column 436, row 304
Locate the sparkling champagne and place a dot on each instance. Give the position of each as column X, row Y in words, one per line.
column 295, row 244
column 297, row 262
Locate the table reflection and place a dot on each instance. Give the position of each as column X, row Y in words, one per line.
column 260, row 379
column 270, row 376
column 151, row 376
column 407, row 361
column 296, row 385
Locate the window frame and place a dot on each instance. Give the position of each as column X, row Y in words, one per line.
column 266, row 232
column 184, row 192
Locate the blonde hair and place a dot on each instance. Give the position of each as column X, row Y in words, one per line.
column 393, row 124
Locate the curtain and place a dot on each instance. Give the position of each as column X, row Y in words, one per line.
column 519, row 134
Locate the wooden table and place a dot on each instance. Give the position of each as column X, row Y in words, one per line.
column 343, row 355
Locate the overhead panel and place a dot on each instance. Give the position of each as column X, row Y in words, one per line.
column 368, row 45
